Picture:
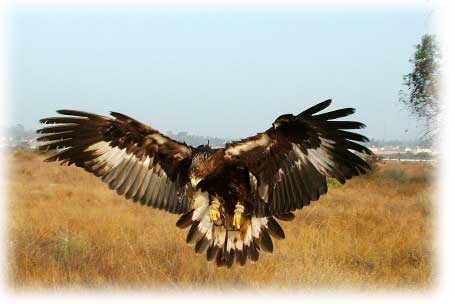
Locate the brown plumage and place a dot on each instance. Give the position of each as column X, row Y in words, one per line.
column 229, row 197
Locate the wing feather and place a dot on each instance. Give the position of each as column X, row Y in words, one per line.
column 140, row 196
column 292, row 159
column 134, row 159
column 316, row 108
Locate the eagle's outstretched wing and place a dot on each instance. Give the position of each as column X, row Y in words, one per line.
column 289, row 162
column 132, row 158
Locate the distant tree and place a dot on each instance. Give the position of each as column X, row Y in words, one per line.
column 422, row 94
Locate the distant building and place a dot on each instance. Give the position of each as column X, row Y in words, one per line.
column 8, row 141
column 424, row 150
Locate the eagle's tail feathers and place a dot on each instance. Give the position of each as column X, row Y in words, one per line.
column 225, row 246
column 185, row 220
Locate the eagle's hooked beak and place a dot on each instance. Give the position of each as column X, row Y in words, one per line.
column 195, row 181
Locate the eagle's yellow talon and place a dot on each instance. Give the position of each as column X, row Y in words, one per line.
column 236, row 221
column 214, row 209
column 214, row 214
column 239, row 208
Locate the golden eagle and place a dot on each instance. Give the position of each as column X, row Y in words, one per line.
column 232, row 196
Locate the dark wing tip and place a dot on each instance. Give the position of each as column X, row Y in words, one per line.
column 362, row 138
column 66, row 112
column 367, row 151
column 324, row 104
column 75, row 113
column 119, row 115
column 335, row 114
column 345, row 125
column 327, row 102
column 350, row 111
column 43, row 120
column 285, row 216
column 316, row 108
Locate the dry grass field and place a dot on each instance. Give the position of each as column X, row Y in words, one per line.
column 68, row 230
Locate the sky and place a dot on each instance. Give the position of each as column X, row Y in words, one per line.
column 215, row 72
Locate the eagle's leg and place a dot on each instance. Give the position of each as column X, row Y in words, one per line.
column 214, row 209
column 242, row 196
column 238, row 214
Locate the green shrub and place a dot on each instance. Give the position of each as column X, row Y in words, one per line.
column 66, row 250
column 333, row 183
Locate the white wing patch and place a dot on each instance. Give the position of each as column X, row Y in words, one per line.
column 246, row 146
column 201, row 205
column 200, row 199
column 256, row 225
column 130, row 174
column 320, row 158
column 114, row 158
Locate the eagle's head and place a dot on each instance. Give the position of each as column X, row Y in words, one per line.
column 202, row 166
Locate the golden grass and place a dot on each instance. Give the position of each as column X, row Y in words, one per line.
column 67, row 230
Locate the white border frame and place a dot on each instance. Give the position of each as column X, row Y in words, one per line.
column 446, row 255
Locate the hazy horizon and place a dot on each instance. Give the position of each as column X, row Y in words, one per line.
column 225, row 74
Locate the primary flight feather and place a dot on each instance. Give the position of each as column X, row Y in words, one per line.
column 230, row 197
